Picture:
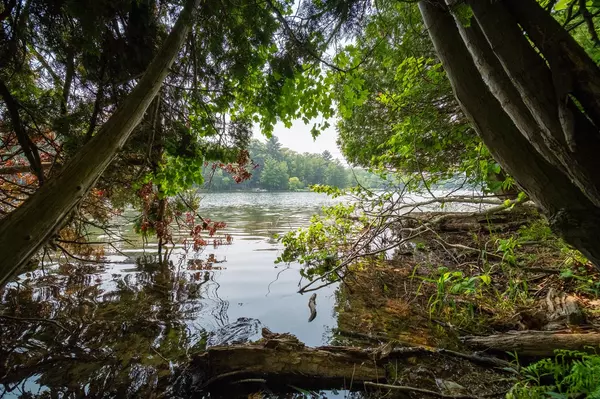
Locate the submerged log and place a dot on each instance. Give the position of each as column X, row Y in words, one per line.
column 535, row 343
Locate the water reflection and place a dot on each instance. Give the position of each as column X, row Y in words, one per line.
column 119, row 328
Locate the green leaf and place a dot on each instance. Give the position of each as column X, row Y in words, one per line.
column 487, row 280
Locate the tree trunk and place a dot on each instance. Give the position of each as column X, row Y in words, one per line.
column 25, row 230
column 562, row 52
column 571, row 214
column 535, row 343
column 502, row 88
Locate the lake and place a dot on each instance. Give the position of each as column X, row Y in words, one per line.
column 222, row 294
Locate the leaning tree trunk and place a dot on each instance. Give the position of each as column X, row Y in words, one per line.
column 566, row 131
column 25, row 230
column 571, row 213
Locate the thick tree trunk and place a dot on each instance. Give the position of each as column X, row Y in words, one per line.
column 562, row 124
column 27, row 228
column 571, row 213
column 502, row 88
column 534, row 343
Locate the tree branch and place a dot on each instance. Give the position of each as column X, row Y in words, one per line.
column 29, row 149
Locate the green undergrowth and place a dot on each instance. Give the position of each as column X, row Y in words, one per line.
column 569, row 374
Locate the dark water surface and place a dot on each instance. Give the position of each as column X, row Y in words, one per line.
column 122, row 320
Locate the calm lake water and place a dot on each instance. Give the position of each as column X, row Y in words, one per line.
column 243, row 283
column 250, row 285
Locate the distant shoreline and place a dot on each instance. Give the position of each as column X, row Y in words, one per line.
column 203, row 190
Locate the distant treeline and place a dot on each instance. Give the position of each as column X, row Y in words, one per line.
column 283, row 169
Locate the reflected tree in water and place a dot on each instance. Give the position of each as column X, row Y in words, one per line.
column 77, row 333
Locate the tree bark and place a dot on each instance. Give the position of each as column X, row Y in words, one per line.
column 571, row 214
column 25, row 230
column 535, row 343
column 278, row 358
column 502, row 88
column 562, row 52
column 282, row 360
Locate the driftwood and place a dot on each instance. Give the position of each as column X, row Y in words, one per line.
column 535, row 343
column 285, row 358
column 562, row 309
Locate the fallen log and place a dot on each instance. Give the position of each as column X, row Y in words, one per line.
column 504, row 220
column 535, row 343
column 288, row 359
column 280, row 362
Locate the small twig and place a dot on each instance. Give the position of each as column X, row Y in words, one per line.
column 304, row 46
column 223, row 376
column 67, row 253
column 158, row 353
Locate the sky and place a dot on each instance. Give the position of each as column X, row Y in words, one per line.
column 298, row 138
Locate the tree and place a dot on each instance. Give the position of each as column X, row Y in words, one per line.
column 275, row 175
column 47, row 209
column 395, row 105
column 535, row 104
column 273, row 148
column 336, row 175
column 294, row 184
column 67, row 66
